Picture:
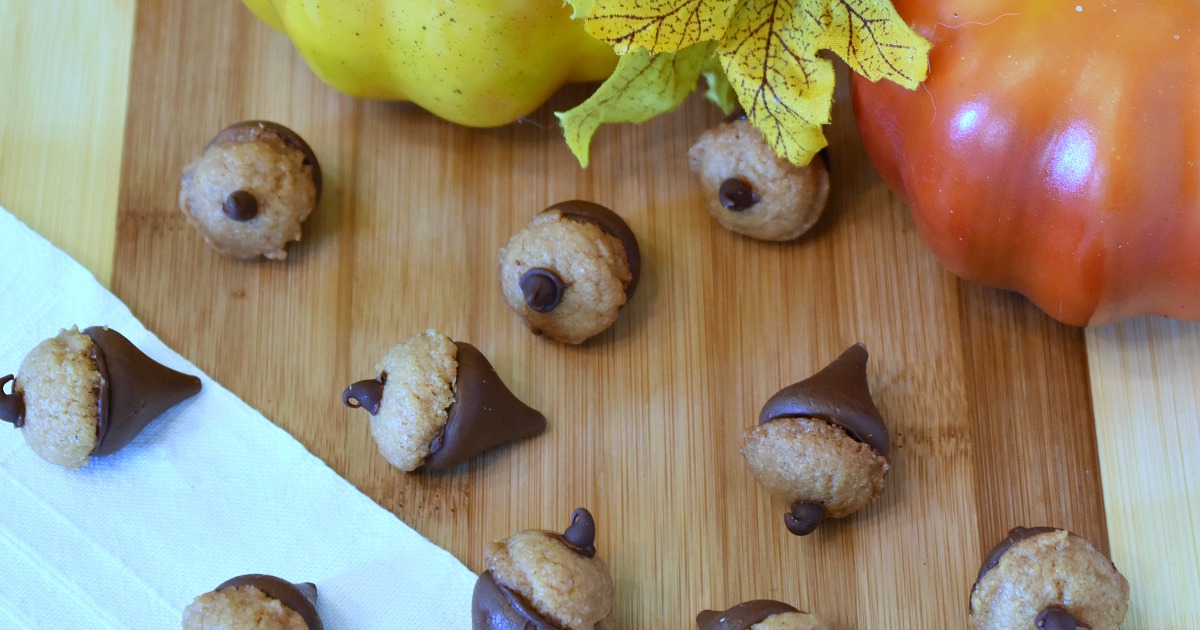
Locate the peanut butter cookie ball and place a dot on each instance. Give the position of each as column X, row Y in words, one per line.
column 759, row 614
column 1050, row 579
column 80, row 394
column 436, row 403
column 543, row 580
column 258, row 602
column 250, row 190
column 569, row 272
column 821, row 445
column 750, row 190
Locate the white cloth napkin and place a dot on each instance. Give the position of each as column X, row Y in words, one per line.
column 208, row 491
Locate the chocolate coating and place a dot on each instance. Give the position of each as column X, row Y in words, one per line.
column 838, row 394
column 737, row 194
column 367, row 394
column 495, row 607
column 240, row 206
column 804, row 517
column 1057, row 618
column 484, row 413
column 610, row 223
column 301, row 598
column 581, row 535
column 134, row 389
column 542, row 288
column 742, row 616
column 239, row 131
column 12, row 405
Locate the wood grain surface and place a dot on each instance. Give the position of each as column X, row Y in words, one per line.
column 988, row 400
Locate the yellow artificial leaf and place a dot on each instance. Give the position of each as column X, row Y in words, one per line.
column 642, row 87
column 658, row 25
column 875, row 42
column 768, row 54
column 579, row 8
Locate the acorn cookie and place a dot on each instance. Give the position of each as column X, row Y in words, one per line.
column 571, row 270
column 545, row 581
column 1050, row 579
column 750, row 190
column 256, row 601
column 250, row 189
column 821, row 445
column 88, row 393
column 759, row 614
column 436, row 403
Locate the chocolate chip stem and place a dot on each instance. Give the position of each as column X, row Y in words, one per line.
column 803, row 517
column 367, row 394
column 240, row 206
column 12, row 405
column 1057, row 618
column 582, row 533
column 543, row 289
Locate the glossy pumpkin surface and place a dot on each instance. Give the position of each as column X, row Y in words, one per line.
column 1053, row 150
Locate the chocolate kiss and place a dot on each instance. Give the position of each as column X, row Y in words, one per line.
column 496, row 607
column 610, row 223
column 301, row 598
column 742, row 616
column 581, row 535
column 484, row 413
column 134, row 389
column 1057, row 618
column 838, row 394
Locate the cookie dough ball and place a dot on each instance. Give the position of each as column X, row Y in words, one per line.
column 258, row 602
column 571, row 270
column 436, row 403
column 750, row 190
column 1048, row 578
column 88, row 393
column 759, row 614
column 544, row 580
column 821, row 446
column 250, row 189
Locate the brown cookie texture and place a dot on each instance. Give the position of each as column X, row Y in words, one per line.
column 541, row 580
column 751, row 191
column 570, row 271
column 251, row 189
column 821, row 446
column 1050, row 578
column 436, row 403
column 759, row 614
column 84, row 394
column 257, row 601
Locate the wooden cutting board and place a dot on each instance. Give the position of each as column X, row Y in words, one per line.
column 988, row 400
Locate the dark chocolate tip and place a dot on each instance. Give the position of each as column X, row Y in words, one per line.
column 838, row 394
column 612, row 224
column 736, row 194
column 365, row 394
column 484, row 414
column 291, row 138
column 804, row 517
column 581, row 535
column 301, row 597
column 134, row 389
column 497, row 607
column 240, row 205
column 1057, row 618
column 543, row 289
column 738, row 113
column 742, row 616
column 12, row 405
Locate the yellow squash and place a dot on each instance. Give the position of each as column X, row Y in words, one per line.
column 480, row 63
